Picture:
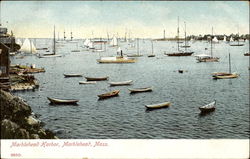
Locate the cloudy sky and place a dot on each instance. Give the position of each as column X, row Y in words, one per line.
column 140, row 18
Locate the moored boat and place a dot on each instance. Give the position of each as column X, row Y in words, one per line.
column 159, row 105
column 87, row 82
column 116, row 60
column 62, row 101
column 109, row 94
column 226, row 76
column 208, row 108
column 96, row 78
column 121, row 83
column 138, row 90
column 247, row 54
column 72, row 75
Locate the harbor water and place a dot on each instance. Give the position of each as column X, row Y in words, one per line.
column 125, row 116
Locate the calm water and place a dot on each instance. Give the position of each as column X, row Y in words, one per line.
column 125, row 116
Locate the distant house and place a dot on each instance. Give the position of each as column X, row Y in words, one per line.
column 4, row 67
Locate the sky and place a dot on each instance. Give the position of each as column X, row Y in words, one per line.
column 144, row 19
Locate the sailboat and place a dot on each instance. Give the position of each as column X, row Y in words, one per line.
column 28, row 47
column 53, row 54
column 76, row 50
column 138, row 50
column 114, row 42
column 225, row 75
column 179, row 52
column 238, row 40
column 152, row 55
column 208, row 58
column 225, row 39
column 215, row 40
column 185, row 46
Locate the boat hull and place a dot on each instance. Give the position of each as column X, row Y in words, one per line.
column 179, row 54
column 226, row 76
column 96, row 78
column 72, row 75
column 62, row 101
column 109, row 94
column 158, row 106
column 120, row 83
column 140, row 90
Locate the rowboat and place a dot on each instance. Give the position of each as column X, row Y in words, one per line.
column 138, row 90
column 62, row 101
column 121, row 83
column 159, row 105
column 220, row 74
column 87, row 82
column 72, row 75
column 226, row 76
column 109, row 94
column 97, row 78
column 208, row 108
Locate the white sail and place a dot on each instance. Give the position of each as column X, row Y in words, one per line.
column 114, row 41
column 215, row 39
column 119, row 50
column 231, row 39
column 225, row 38
column 26, row 46
column 33, row 48
column 90, row 45
column 86, row 42
column 19, row 42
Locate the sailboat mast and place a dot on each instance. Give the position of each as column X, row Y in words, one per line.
column 178, row 35
column 137, row 46
column 212, row 43
column 54, row 41
column 64, row 37
column 152, row 47
column 185, row 37
column 229, row 64
column 238, row 35
column 71, row 37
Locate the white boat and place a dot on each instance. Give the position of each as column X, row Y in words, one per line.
column 215, row 40
column 208, row 108
column 53, row 54
column 224, row 75
column 62, row 101
column 225, row 39
column 159, row 105
column 129, row 82
column 208, row 58
column 114, row 42
column 28, row 47
column 139, row 90
column 87, row 82
column 231, row 39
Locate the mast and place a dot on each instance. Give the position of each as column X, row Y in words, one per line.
column 185, row 37
column 71, row 37
column 152, row 47
column 178, row 35
column 164, row 34
column 137, row 46
column 54, row 41
column 212, row 43
column 229, row 64
column 238, row 35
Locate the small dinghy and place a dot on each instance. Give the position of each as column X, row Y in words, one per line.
column 62, row 101
column 138, row 90
column 72, row 75
column 208, row 108
column 97, row 78
column 109, row 94
column 87, row 82
column 120, row 83
column 159, row 105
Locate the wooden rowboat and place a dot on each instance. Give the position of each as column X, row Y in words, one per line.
column 120, row 83
column 96, row 78
column 87, row 82
column 72, row 75
column 226, row 76
column 109, row 94
column 159, row 105
column 62, row 101
column 138, row 90
column 208, row 108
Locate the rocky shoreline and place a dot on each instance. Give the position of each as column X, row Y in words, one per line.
column 18, row 121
